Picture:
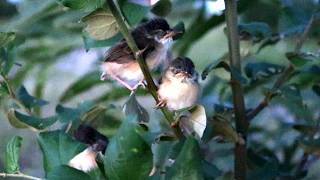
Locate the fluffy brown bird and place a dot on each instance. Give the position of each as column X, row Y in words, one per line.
column 153, row 38
column 179, row 87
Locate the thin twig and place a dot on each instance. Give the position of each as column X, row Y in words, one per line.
column 240, row 154
column 284, row 76
column 19, row 175
column 144, row 68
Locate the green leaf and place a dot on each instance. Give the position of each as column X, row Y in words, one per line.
column 14, row 121
column 133, row 108
column 160, row 153
column 162, row 8
column 66, row 114
column 28, row 100
column 220, row 63
column 210, row 171
column 188, row 163
column 12, row 155
column 65, row 172
column 85, row 5
column 255, row 31
column 101, row 24
column 92, row 43
column 316, row 89
column 299, row 59
column 179, row 28
column 6, row 37
column 57, row 149
column 133, row 13
column 128, row 156
column 6, row 60
column 31, row 121
column 257, row 71
column 84, row 83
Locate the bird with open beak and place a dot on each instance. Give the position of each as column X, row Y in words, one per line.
column 153, row 38
column 86, row 160
column 179, row 87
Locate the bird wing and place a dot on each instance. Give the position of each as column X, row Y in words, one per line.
column 119, row 53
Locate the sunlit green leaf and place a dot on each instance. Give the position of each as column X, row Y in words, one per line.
column 128, row 156
column 64, row 172
column 28, row 100
column 35, row 122
column 100, row 24
column 6, row 37
column 57, row 148
column 12, row 155
column 188, row 163
column 162, row 8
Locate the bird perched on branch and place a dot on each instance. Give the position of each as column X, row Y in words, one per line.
column 153, row 39
column 179, row 87
column 86, row 160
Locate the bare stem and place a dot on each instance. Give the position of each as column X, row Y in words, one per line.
column 284, row 76
column 240, row 153
column 144, row 68
column 19, row 175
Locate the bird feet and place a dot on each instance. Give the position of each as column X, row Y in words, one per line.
column 141, row 51
column 161, row 103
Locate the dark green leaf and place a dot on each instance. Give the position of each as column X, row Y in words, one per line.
column 133, row 12
column 220, row 63
column 57, row 148
column 91, row 43
column 128, row 156
column 6, row 37
column 310, row 145
column 12, row 155
column 300, row 59
column 85, row 5
column 66, row 114
column 179, row 28
column 160, row 153
column 257, row 71
column 255, row 31
column 133, row 108
column 34, row 122
column 210, row 171
column 188, row 163
column 65, row 172
column 84, row 83
column 162, row 8
column 6, row 60
column 28, row 100
column 316, row 89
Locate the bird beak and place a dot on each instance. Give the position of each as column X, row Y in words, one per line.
column 172, row 34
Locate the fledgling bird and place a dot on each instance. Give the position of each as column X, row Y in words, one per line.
column 86, row 160
column 153, row 39
column 179, row 87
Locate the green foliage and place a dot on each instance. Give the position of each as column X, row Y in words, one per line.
column 128, row 156
column 28, row 100
column 64, row 172
column 12, row 155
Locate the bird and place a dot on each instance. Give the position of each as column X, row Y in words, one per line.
column 153, row 38
column 179, row 87
column 96, row 142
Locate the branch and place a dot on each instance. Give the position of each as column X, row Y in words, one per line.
column 19, row 175
column 284, row 76
column 237, row 91
column 144, row 68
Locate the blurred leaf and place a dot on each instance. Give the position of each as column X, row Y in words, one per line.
column 64, row 172
column 133, row 108
column 28, row 100
column 188, row 163
column 85, row 5
column 316, row 89
column 12, row 155
column 133, row 13
column 196, row 123
column 100, row 24
column 261, row 70
column 269, row 171
column 35, row 122
column 6, row 60
column 210, row 171
column 311, row 145
column 220, row 63
column 93, row 114
column 305, row 128
column 160, row 153
column 58, row 149
column 128, row 156
column 4, row 89
column 306, row 76
column 6, row 37
column 179, row 28
column 300, row 59
column 255, row 31
column 162, row 8
column 83, row 84
column 91, row 43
